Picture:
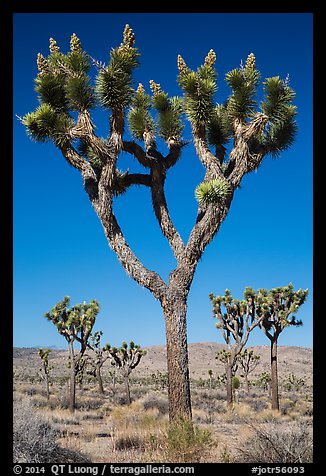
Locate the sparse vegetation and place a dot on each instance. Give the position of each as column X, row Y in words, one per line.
column 105, row 427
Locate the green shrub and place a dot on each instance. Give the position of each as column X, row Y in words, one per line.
column 187, row 443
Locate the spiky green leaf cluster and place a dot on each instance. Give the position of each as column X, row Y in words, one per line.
column 65, row 83
column 243, row 81
column 119, row 185
column 277, row 105
column 278, row 98
column 62, row 85
column 45, row 123
column 139, row 116
column 79, row 93
column 86, row 151
column 219, row 129
column 114, row 84
column 169, row 111
column 199, row 88
column 213, row 191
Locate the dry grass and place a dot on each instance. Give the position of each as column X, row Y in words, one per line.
column 104, row 429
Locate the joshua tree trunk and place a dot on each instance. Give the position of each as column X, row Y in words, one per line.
column 247, row 384
column 46, row 377
column 99, row 380
column 274, row 382
column 127, row 388
column 177, row 359
column 229, row 389
column 72, row 389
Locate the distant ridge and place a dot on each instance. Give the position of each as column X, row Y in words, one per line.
column 291, row 359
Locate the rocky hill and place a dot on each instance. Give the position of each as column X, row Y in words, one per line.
column 296, row 360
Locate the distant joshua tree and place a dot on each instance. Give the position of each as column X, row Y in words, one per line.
column 210, row 377
column 67, row 95
column 236, row 319
column 126, row 358
column 75, row 325
column 101, row 355
column 248, row 361
column 276, row 309
column 44, row 356
column 264, row 381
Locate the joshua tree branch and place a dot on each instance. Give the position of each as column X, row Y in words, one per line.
column 132, row 265
column 76, row 160
column 137, row 151
column 209, row 161
column 136, row 179
column 84, row 129
column 161, row 210
column 204, row 231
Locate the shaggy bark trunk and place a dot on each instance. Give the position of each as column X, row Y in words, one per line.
column 229, row 390
column 274, row 382
column 72, row 390
column 47, row 386
column 127, row 388
column 247, row 384
column 46, row 380
column 99, row 380
column 177, row 358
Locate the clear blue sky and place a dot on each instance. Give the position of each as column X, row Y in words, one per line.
column 59, row 245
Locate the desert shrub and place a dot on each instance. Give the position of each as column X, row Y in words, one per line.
column 272, row 443
column 34, row 439
column 287, row 405
column 257, row 403
column 151, row 401
column 127, row 442
column 89, row 403
column 187, row 443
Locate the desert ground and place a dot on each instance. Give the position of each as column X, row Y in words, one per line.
column 104, row 428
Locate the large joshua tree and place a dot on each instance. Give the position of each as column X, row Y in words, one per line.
column 67, row 95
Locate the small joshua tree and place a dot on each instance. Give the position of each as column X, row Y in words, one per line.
column 44, row 356
column 264, row 381
column 75, row 325
column 275, row 310
column 248, row 361
column 101, row 355
column 126, row 359
column 80, row 369
column 236, row 319
column 293, row 382
column 231, row 367
column 254, row 130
